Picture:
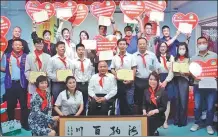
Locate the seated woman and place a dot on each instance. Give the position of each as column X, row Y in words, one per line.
column 154, row 104
column 70, row 100
column 40, row 119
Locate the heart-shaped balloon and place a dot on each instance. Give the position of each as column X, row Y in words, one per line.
column 5, row 25
column 67, row 4
column 106, row 8
column 132, row 9
column 154, row 5
column 104, row 43
column 190, row 18
column 80, row 15
column 204, row 69
column 3, row 44
column 36, row 6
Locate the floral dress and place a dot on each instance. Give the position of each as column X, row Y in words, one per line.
column 40, row 119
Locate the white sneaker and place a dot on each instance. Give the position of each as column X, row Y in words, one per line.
column 210, row 130
column 165, row 125
column 194, row 127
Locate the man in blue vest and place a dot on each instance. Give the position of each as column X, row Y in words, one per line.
column 16, row 82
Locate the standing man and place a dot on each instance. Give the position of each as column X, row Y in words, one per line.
column 209, row 93
column 146, row 62
column 36, row 61
column 58, row 62
column 124, row 60
column 16, row 35
column 82, row 71
column 16, row 83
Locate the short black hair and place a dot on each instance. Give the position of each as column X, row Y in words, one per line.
column 59, row 43
column 148, row 24
column 46, row 31
column 202, row 37
column 67, row 79
column 157, row 78
column 102, row 26
column 121, row 40
column 62, row 32
column 41, row 78
column 164, row 27
column 79, row 45
column 128, row 28
column 18, row 40
column 142, row 38
column 37, row 40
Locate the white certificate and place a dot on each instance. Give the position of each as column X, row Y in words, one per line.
column 64, row 12
column 105, row 21
column 40, row 16
column 128, row 20
column 156, row 16
column 90, row 44
column 106, row 55
column 208, row 83
column 185, row 27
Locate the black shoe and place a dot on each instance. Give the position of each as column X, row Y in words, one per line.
column 27, row 128
column 156, row 133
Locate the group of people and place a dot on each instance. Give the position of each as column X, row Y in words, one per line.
column 95, row 82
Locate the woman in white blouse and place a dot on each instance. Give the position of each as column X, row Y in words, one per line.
column 69, row 101
column 166, row 75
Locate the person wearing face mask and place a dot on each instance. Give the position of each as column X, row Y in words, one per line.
column 210, row 94
column 181, row 86
column 49, row 47
column 16, row 35
column 118, row 35
column 58, row 62
column 172, row 42
column 69, row 101
column 146, row 63
column 65, row 36
column 166, row 75
column 151, row 39
column 36, row 61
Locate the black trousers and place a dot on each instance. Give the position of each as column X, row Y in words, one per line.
column 96, row 108
column 154, row 122
column 83, row 87
column 182, row 94
column 140, row 86
column 16, row 92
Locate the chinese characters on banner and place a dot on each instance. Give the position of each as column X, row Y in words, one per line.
column 103, row 128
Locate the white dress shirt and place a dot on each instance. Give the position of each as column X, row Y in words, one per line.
column 169, row 65
column 109, row 86
column 151, row 61
column 128, row 62
column 55, row 64
column 78, row 74
column 71, row 105
column 32, row 65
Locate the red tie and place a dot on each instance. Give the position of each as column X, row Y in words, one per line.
column 49, row 44
column 128, row 39
column 165, row 62
column 181, row 58
column 143, row 59
column 68, row 42
column 101, row 80
column 152, row 96
column 38, row 53
column 42, row 94
column 64, row 61
column 122, row 61
column 82, row 66
column 17, row 57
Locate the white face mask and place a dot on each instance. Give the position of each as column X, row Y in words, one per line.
column 181, row 52
column 118, row 37
column 202, row 47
